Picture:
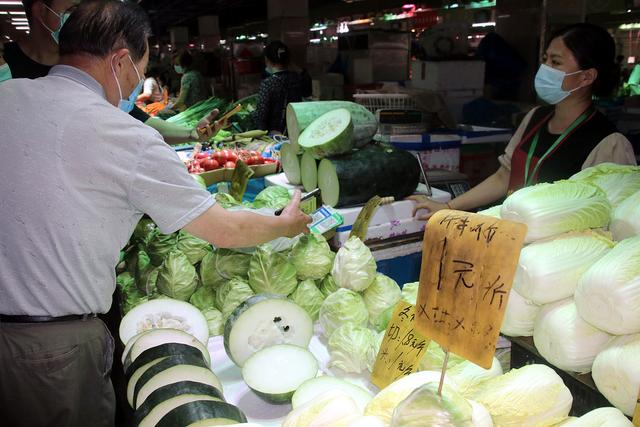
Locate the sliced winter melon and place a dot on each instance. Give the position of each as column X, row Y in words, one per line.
column 164, row 313
column 353, row 179
column 262, row 321
column 291, row 164
column 132, row 381
column 163, row 400
column 309, row 171
column 276, row 372
column 311, row 389
column 201, row 413
column 302, row 114
column 328, row 135
column 162, row 352
column 173, row 375
column 159, row 368
column 158, row 337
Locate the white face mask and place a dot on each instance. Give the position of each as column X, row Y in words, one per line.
column 548, row 84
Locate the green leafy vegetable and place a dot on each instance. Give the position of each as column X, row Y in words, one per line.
column 410, row 292
column 231, row 294
column 271, row 272
column 312, row 257
column 144, row 232
column 214, row 321
column 328, row 285
column 342, row 306
column 354, row 267
column 552, row 209
column 308, row 296
column 273, row 197
column 384, row 293
column 194, row 248
column 131, row 296
column 177, row 278
column 425, row 407
column 352, row 348
column 204, row 298
column 160, row 245
column 222, row 265
column 617, row 181
column 226, row 200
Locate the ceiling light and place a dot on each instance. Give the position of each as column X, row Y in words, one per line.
column 17, row 13
column 10, row 3
column 22, row 28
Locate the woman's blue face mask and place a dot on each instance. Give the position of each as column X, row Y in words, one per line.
column 63, row 18
column 549, row 82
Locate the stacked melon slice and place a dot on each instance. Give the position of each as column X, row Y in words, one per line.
column 168, row 367
column 330, row 148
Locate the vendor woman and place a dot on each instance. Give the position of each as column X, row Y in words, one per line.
column 556, row 141
column 276, row 91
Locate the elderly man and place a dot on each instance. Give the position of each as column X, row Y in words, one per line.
column 77, row 174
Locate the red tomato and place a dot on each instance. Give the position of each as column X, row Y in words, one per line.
column 255, row 160
column 219, row 157
column 230, row 165
column 210, row 164
column 231, row 156
column 202, row 156
column 249, row 161
column 269, row 161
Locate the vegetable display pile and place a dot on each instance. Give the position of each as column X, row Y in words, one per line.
column 330, row 148
column 577, row 284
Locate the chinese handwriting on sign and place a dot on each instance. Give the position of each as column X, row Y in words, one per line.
column 401, row 349
column 468, row 265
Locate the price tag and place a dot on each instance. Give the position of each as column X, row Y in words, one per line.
column 402, row 347
column 636, row 414
column 468, row 265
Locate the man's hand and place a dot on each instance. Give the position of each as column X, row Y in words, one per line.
column 424, row 202
column 296, row 221
column 208, row 127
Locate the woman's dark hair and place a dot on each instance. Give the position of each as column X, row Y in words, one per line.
column 277, row 52
column 593, row 47
column 28, row 8
column 98, row 27
column 185, row 60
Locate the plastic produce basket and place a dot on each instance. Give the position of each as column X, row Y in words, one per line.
column 385, row 101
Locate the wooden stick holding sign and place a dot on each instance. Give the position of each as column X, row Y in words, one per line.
column 468, row 265
column 636, row 414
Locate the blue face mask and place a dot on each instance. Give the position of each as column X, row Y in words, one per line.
column 5, row 72
column 548, row 84
column 127, row 105
column 63, row 18
column 178, row 69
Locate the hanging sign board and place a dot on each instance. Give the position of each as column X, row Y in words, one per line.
column 636, row 414
column 468, row 265
column 401, row 349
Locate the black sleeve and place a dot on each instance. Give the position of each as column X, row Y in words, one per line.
column 138, row 114
column 260, row 115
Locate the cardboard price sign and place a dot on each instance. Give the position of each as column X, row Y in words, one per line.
column 468, row 265
column 401, row 349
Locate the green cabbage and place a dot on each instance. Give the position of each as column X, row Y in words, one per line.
column 226, row 200
column 354, row 267
column 384, row 293
column 160, row 245
column 552, row 209
column 382, row 321
column 352, row 348
column 425, row 407
column 342, row 306
column 177, row 278
column 214, row 321
column 221, row 265
column 144, row 268
column 549, row 271
column 273, row 197
column 624, row 219
column 144, row 232
column 230, row 295
column 308, row 296
column 194, row 248
column 608, row 294
column 131, row 296
column 328, row 285
column 617, row 181
column 204, row 298
column 410, row 292
column 533, row 395
column 271, row 272
column 312, row 257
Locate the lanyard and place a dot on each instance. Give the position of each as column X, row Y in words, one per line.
column 527, row 178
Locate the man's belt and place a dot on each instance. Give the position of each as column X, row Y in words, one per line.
column 4, row 318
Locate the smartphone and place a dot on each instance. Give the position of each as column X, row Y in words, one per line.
column 308, row 203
